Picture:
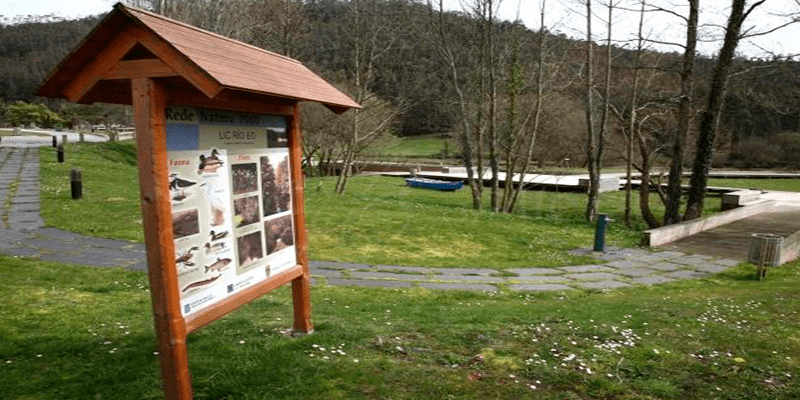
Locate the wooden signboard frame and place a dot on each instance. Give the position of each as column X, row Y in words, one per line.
column 149, row 103
column 151, row 62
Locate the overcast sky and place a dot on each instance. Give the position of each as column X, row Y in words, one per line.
column 565, row 16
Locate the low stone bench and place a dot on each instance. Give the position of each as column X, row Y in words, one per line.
column 739, row 198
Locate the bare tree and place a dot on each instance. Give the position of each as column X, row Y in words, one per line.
column 591, row 138
column 685, row 112
column 709, row 118
column 279, row 24
column 510, row 201
column 491, row 66
column 596, row 134
column 632, row 117
column 366, row 31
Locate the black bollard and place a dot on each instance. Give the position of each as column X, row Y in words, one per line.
column 76, row 183
column 60, row 152
column 55, row 141
column 600, row 232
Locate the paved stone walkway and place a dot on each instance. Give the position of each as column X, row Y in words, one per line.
column 23, row 234
column 732, row 240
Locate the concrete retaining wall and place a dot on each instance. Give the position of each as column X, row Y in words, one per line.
column 671, row 233
column 791, row 248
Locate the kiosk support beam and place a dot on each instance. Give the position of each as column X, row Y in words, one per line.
column 301, row 287
column 149, row 102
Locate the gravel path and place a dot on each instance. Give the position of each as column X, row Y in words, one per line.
column 23, row 234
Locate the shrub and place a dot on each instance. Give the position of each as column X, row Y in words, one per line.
column 757, row 153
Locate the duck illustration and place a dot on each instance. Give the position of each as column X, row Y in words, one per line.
column 214, row 247
column 213, row 157
column 186, row 256
column 210, row 162
column 218, row 236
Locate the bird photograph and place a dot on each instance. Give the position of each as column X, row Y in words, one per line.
column 176, row 183
column 186, row 257
column 209, row 163
column 217, row 236
column 212, row 248
column 180, row 187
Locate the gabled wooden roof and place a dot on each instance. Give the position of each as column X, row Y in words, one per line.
column 131, row 42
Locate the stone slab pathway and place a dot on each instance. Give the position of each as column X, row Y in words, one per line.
column 23, row 234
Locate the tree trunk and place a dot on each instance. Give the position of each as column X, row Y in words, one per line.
column 674, row 191
column 601, row 137
column 644, row 188
column 467, row 152
column 710, row 116
column 493, row 164
column 591, row 145
column 537, row 111
column 632, row 122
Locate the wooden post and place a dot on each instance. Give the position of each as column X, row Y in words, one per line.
column 301, row 287
column 64, row 139
column 76, row 183
column 60, row 153
column 149, row 102
column 80, row 137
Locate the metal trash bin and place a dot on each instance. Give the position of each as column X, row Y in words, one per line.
column 766, row 246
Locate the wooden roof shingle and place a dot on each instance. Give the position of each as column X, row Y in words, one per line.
column 224, row 62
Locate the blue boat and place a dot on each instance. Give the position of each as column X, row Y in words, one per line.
column 434, row 184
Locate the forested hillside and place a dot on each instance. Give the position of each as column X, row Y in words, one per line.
column 398, row 51
column 30, row 49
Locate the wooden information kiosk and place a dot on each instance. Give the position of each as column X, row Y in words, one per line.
column 219, row 151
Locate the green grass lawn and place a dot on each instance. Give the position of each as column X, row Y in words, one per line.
column 71, row 332
column 783, row 185
column 110, row 206
column 378, row 221
column 414, row 147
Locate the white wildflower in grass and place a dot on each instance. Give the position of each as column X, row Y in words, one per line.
column 38, row 356
column 355, row 360
column 656, row 351
column 8, row 361
column 155, row 353
column 241, row 342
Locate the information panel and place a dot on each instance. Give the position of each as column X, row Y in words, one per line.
column 231, row 202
